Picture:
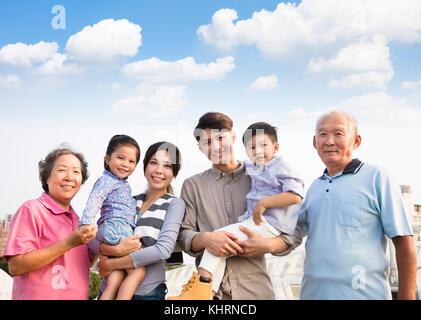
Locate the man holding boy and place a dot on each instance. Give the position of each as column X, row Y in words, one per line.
column 216, row 198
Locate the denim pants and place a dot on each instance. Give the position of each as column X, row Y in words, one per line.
column 113, row 230
column 156, row 294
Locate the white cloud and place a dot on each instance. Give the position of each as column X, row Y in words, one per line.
column 411, row 84
column 157, row 71
column 374, row 108
column 383, row 109
column 363, row 56
column 25, row 55
column 315, row 24
column 105, row 41
column 57, row 65
column 116, row 86
column 265, row 83
column 371, row 61
column 368, row 80
column 9, row 82
column 153, row 102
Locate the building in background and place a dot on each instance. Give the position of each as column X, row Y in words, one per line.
column 4, row 231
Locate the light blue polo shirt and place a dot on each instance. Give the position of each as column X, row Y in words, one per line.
column 347, row 218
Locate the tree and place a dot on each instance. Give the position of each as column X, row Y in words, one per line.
column 94, row 284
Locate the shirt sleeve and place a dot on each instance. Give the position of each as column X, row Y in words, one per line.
column 293, row 241
column 25, row 232
column 189, row 225
column 393, row 215
column 289, row 180
column 99, row 193
column 165, row 244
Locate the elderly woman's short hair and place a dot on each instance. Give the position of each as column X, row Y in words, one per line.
column 45, row 166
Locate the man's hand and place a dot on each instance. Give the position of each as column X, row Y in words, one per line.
column 258, row 210
column 254, row 246
column 222, row 243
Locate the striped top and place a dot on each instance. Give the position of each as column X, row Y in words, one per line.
column 149, row 222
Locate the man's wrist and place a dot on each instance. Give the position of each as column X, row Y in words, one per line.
column 277, row 245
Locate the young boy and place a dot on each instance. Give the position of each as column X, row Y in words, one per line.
column 272, row 205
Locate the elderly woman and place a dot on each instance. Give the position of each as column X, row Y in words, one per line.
column 46, row 250
column 160, row 214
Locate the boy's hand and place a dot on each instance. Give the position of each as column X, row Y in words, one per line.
column 258, row 210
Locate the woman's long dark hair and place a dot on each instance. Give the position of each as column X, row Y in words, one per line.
column 173, row 154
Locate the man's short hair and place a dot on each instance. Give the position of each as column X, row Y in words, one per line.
column 351, row 119
column 212, row 120
column 260, row 127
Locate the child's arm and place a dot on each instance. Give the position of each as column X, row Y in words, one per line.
column 283, row 199
column 95, row 200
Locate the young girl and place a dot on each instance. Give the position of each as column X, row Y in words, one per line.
column 159, row 220
column 112, row 195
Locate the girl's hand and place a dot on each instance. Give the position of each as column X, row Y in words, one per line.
column 258, row 210
column 82, row 235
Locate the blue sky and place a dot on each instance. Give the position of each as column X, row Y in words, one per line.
column 152, row 68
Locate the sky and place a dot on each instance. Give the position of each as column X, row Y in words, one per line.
column 79, row 72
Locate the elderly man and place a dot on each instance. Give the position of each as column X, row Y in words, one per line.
column 347, row 214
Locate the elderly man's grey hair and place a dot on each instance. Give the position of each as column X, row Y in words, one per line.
column 351, row 120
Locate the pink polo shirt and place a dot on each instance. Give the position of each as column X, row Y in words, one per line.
column 40, row 223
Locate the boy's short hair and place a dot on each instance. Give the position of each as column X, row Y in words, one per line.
column 260, row 127
column 212, row 120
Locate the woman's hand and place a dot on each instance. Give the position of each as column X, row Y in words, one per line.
column 107, row 265
column 125, row 247
column 82, row 235
column 104, row 266
column 36, row 259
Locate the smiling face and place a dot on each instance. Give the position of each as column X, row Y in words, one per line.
column 65, row 179
column 217, row 145
column 335, row 140
column 122, row 161
column 159, row 171
column 260, row 149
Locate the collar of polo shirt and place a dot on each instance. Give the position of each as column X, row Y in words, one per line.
column 352, row 168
